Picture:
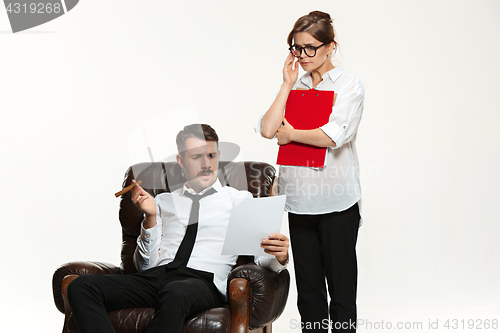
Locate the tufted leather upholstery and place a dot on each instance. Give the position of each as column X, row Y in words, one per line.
column 257, row 296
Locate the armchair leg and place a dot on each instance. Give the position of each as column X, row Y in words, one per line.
column 67, row 309
column 239, row 302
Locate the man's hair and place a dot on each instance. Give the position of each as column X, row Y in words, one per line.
column 200, row 131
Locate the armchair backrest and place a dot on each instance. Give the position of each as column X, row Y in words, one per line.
column 160, row 177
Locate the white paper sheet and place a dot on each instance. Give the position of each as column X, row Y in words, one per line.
column 251, row 221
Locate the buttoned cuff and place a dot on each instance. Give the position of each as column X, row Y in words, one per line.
column 148, row 235
column 335, row 132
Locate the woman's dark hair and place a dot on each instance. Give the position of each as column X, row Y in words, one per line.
column 200, row 131
column 317, row 24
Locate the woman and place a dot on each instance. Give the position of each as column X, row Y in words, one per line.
column 322, row 203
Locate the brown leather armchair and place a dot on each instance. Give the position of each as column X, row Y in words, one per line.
column 256, row 296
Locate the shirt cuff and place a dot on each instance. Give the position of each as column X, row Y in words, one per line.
column 335, row 132
column 276, row 266
column 271, row 263
column 148, row 235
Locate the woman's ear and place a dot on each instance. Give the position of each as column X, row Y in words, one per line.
column 331, row 48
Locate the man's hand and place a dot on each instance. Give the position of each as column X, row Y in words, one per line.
column 146, row 204
column 277, row 245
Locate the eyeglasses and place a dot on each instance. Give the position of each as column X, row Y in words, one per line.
column 309, row 50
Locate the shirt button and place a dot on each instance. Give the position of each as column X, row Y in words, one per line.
column 147, row 254
column 147, row 236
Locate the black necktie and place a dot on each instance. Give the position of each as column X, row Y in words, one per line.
column 187, row 244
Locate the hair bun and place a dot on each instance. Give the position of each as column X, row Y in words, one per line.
column 320, row 15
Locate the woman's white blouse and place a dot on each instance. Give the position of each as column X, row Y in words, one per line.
column 335, row 187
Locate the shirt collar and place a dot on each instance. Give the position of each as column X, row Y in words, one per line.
column 333, row 74
column 216, row 186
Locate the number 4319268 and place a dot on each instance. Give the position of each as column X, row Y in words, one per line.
column 471, row 324
column 34, row 8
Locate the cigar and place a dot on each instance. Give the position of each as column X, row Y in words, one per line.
column 128, row 188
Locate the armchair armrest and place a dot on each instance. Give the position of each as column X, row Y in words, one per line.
column 267, row 296
column 78, row 268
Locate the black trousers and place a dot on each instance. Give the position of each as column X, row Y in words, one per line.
column 175, row 294
column 324, row 246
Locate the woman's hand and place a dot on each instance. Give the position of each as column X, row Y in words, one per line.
column 290, row 72
column 285, row 133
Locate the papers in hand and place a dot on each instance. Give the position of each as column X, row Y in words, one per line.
column 251, row 221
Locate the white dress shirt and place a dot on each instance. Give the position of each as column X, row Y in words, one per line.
column 335, row 187
column 158, row 245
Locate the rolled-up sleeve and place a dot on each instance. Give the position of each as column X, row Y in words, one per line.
column 148, row 243
column 259, row 124
column 346, row 114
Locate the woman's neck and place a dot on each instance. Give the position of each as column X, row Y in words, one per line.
column 317, row 74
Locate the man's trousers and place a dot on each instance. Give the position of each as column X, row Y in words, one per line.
column 176, row 295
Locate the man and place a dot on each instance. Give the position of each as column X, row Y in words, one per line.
column 178, row 255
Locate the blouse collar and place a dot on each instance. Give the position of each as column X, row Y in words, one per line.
column 332, row 74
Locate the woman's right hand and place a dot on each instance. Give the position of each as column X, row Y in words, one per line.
column 290, row 70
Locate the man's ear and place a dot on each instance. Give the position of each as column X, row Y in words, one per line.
column 180, row 161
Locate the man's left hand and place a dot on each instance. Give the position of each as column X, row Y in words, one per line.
column 277, row 245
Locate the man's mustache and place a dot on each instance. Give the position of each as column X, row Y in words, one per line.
column 205, row 172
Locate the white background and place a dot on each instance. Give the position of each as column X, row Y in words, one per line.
column 74, row 89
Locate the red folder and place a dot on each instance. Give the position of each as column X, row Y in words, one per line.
column 305, row 110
